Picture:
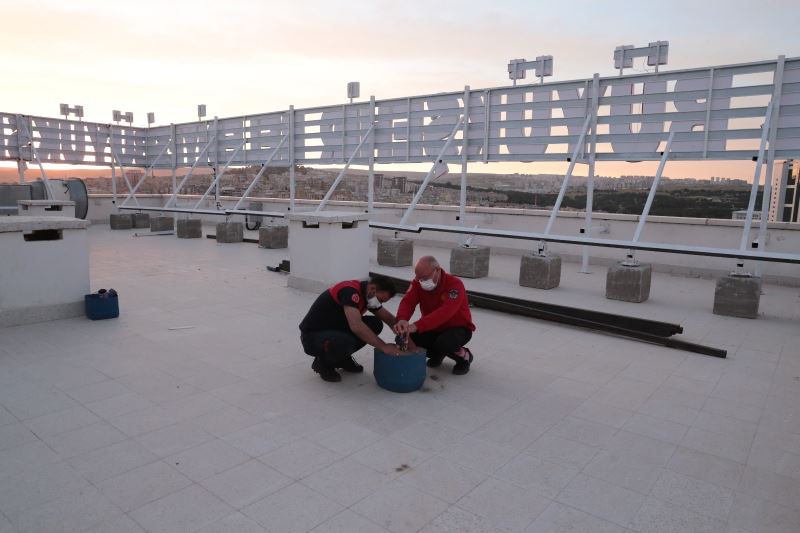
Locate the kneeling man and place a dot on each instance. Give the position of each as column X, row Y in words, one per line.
column 335, row 328
column 446, row 323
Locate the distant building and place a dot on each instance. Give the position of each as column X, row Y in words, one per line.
column 784, row 206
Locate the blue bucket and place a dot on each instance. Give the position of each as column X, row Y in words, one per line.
column 400, row 373
column 101, row 306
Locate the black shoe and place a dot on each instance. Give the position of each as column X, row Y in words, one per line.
column 462, row 366
column 325, row 372
column 350, row 365
column 435, row 360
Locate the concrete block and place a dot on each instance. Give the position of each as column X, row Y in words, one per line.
column 273, row 237
column 395, row 252
column 629, row 283
column 120, row 220
column 737, row 295
column 190, row 228
column 540, row 272
column 472, row 262
column 162, row 223
column 141, row 220
column 228, row 232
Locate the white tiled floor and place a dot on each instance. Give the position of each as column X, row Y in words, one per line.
column 125, row 425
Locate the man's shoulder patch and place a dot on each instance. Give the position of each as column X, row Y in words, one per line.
column 355, row 298
column 453, row 294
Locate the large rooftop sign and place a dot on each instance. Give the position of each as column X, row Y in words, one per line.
column 715, row 113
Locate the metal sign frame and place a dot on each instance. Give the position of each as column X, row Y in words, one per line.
column 748, row 111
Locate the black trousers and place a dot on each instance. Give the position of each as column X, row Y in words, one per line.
column 334, row 347
column 443, row 343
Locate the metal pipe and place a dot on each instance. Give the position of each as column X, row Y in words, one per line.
column 652, row 194
column 756, row 177
column 590, row 177
column 291, row 159
column 773, row 130
column 218, row 176
column 133, row 192
column 122, row 171
column 371, row 176
column 340, row 176
column 607, row 243
column 568, row 175
column 172, row 199
column 430, row 172
column 462, row 197
column 261, row 172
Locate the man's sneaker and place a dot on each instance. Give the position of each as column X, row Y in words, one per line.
column 325, row 372
column 350, row 365
column 435, row 360
column 462, row 366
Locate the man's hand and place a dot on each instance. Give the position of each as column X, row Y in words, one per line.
column 391, row 349
column 401, row 327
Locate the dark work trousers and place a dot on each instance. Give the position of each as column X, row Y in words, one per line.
column 334, row 347
column 443, row 343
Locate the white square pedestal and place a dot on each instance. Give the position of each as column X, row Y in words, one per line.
column 327, row 247
column 44, row 268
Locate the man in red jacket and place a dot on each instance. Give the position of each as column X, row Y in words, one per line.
column 446, row 323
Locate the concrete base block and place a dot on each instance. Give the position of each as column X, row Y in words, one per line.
column 229, row 232
column 395, row 252
column 629, row 283
column 190, row 228
column 470, row 262
column 273, row 237
column 141, row 220
column 121, row 221
column 737, row 296
column 540, row 272
column 162, row 223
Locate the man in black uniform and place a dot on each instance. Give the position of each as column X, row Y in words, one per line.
column 334, row 328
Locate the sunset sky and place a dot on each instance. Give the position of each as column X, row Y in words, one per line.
column 240, row 57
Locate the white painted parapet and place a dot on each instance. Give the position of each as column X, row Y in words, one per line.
column 327, row 247
column 44, row 268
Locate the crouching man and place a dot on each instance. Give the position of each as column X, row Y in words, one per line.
column 335, row 328
column 446, row 323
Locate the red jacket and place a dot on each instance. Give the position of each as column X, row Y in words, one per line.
column 444, row 307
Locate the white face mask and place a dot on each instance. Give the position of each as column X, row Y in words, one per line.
column 373, row 303
column 427, row 285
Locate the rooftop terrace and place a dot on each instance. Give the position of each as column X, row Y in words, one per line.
column 129, row 425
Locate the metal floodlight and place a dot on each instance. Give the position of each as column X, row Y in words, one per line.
column 119, row 115
column 151, row 118
column 66, row 110
column 353, row 90
column 201, row 111
column 656, row 53
column 542, row 67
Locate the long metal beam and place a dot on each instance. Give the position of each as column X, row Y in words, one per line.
column 774, row 257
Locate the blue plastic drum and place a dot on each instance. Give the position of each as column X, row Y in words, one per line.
column 400, row 373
